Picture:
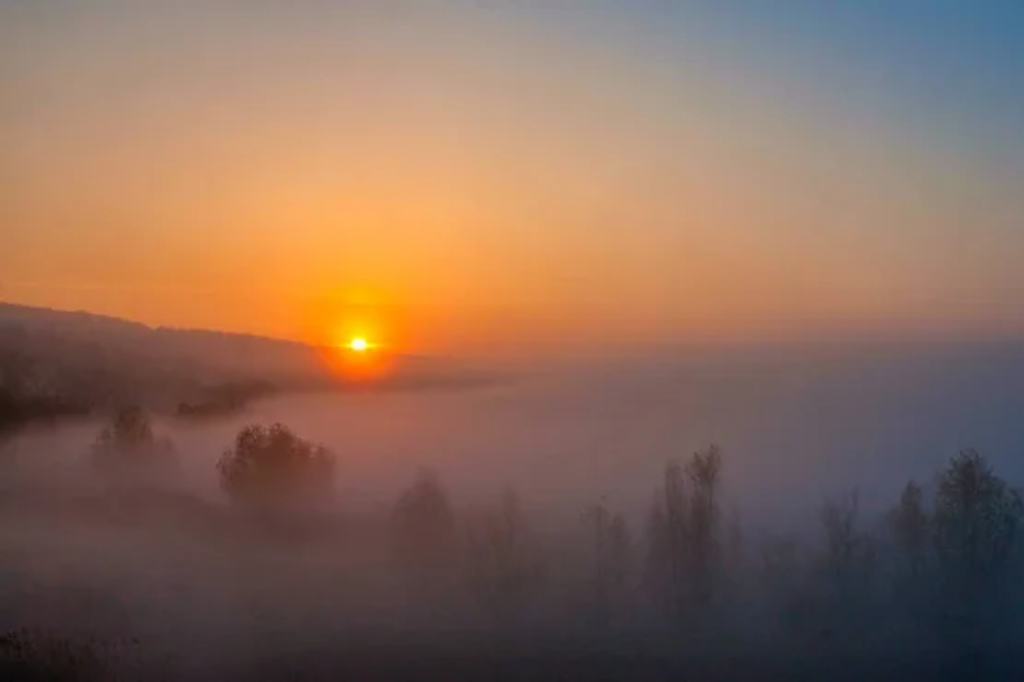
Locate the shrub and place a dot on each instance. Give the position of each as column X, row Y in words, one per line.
column 128, row 448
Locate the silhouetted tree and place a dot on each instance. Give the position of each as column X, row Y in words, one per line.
column 271, row 467
column 25, row 397
column 977, row 523
column 504, row 564
column 668, row 531
column 705, row 543
column 610, row 540
column 911, row 530
column 15, row 370
column 128, row 448
column 684, row 534
column 849, row 551
column 422, row 528
column 849, row 563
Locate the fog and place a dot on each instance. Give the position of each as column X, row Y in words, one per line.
column 794, row 426
column 188, row 586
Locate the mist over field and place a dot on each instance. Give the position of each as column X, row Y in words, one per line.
column 797, row 423
column 187, row 583
column 458, row 340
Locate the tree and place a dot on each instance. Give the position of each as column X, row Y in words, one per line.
column 977, row 522
column 272, row 467
column 667, row 532
column 504, row 566
column 911, row 529
column 704, row 469
column 849, row 551
column 976, row 527
column 611, row 549
column 128, row 448
column 422, row 527
column 684, row 559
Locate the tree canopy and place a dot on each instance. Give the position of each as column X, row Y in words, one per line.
column 272, row 466
column 128, row 446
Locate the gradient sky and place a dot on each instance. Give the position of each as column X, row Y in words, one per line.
column 457, row 175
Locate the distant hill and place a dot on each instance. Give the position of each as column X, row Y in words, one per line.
column 76, row 361
column 84, row 361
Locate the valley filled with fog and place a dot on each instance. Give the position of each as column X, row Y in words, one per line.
column 198, row 585
column 795, row 427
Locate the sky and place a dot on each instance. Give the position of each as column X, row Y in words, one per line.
column 466, row 176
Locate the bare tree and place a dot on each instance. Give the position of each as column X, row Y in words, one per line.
column 849, row 551
column 911, row 529
column 705, row 540
column 684, row 535
column 504, row 565
column 668, row 532
column 610, row 542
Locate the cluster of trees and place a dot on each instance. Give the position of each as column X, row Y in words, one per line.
column 948, row 557
column 271, row 467
column 267, row 467
column 229, row 398
column 24, row 398
column 947, row 564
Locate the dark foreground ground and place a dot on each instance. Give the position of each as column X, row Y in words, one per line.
column 476, row 659
column 408, row 665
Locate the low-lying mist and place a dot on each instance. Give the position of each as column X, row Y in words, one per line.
column 746, row 516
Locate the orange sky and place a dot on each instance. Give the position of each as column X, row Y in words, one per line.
column 468, row 179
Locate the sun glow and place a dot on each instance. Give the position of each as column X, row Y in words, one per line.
column 359, row 345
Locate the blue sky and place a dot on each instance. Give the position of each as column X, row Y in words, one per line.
column 954, row 64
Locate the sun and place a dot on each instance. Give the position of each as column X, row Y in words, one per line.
column 359, row 345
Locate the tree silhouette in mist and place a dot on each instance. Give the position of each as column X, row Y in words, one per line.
column 504, row 565
column 128, row 448
column 271, row 467
column 684, row 535
column 704, row 470
column 422, row 529
column 911, row 529
column 611, row 547
column 848, row 564
column 849, row 551
column 978, row 519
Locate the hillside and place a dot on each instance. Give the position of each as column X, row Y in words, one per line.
column 56, row 362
